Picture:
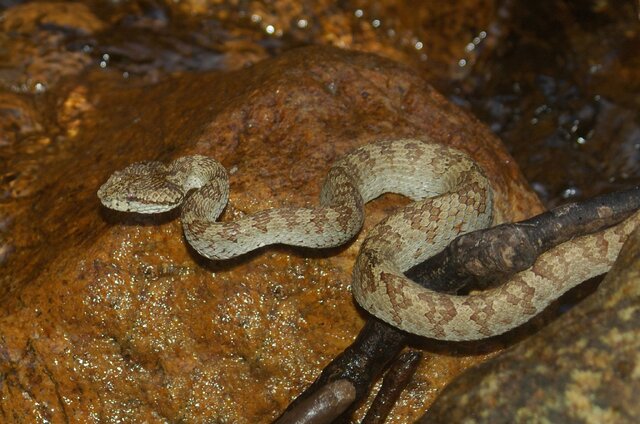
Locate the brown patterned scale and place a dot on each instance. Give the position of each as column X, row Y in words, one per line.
column 451, row 197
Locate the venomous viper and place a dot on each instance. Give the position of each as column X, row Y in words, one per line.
column 451, row 196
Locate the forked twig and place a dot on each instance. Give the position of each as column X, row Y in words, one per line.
column 395, row 380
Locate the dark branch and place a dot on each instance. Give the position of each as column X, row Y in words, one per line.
column 475, row 258
column 491, row 255
column 395, row 380
column 330, row 401
column 361, row 364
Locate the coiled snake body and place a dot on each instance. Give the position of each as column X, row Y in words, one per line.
column 451, row 197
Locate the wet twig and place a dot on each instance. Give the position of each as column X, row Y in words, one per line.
column 361, row 363
column 395, row 380
column 476, row 259
column 329, row 402
column 491, row 255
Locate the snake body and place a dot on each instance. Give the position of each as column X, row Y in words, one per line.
column 451, row 197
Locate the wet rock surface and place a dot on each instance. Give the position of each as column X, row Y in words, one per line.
column 127, row 323
column 575, row 63
column 582, row 368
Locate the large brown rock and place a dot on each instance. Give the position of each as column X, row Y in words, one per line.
column 108, row 317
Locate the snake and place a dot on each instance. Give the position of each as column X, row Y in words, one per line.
column 451, row 196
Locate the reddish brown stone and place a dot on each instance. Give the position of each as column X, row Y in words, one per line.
column 110, row 317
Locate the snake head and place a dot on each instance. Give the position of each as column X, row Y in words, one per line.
column 142, row 187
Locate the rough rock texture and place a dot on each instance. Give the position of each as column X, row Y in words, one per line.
column 39, row 57
column 583, row 368
column 437, row 33
column 108, row 317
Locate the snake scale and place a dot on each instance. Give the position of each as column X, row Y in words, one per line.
column 451, row 194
